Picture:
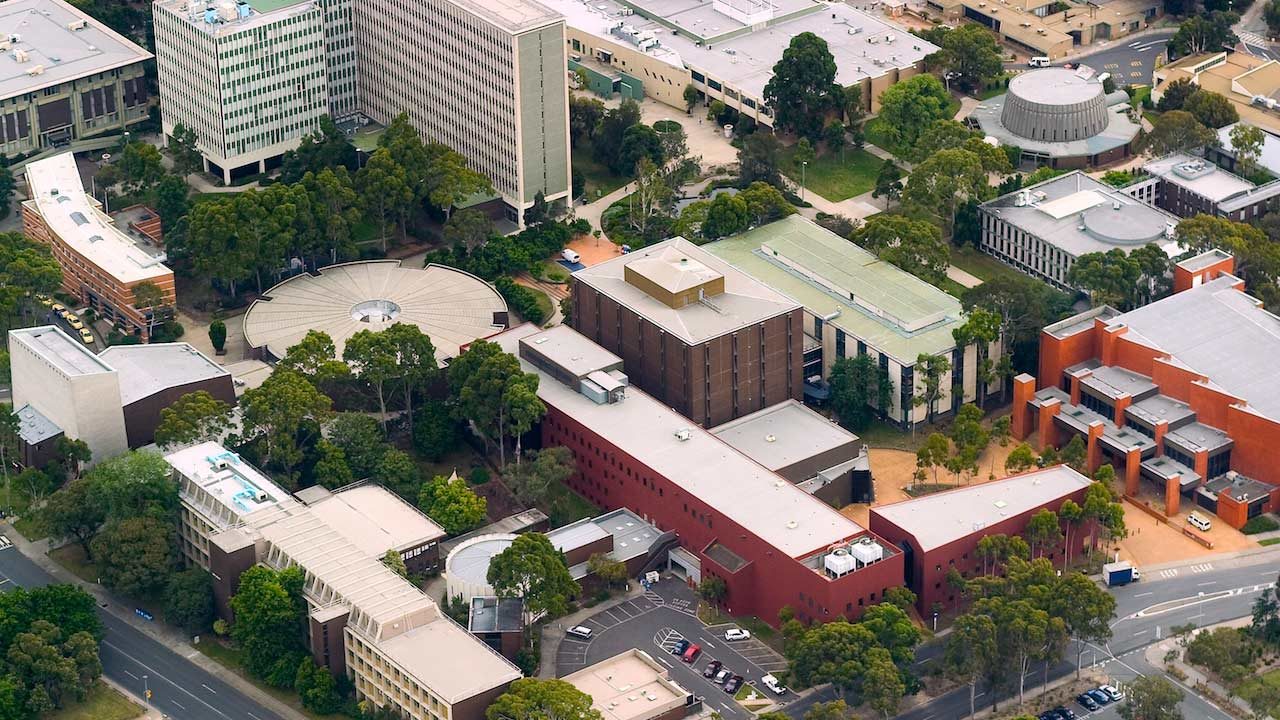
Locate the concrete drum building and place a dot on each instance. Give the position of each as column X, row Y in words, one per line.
column 1060, row 118
column 64, row 76
column 101, row 264
column 697, row 333
column 451, row 306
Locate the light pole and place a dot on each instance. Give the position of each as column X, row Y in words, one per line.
column 804, row 167
column 146, row 690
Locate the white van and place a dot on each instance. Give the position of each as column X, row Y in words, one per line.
column 570, row 255
column 1199, row 522
column 1038, row 61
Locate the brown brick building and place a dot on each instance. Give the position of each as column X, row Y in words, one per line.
column 693, row 331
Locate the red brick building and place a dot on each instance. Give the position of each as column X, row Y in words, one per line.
column 694, row 332
column 773, row 544
column 940, row 532
column 1183, row 393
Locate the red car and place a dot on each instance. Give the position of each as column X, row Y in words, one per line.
column 691, row 653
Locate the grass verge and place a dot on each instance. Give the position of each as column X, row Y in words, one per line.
column 833, row 177
column 600, row 180
column 1270, row 541
column 233, row 659
column 103, row 702
column 72, row 558
column 979, row 264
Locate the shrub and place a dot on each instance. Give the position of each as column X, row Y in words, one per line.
column 478, row 476
column 521, row 299
column 1260, row 524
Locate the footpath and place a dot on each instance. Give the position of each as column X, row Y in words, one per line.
column 38, row 552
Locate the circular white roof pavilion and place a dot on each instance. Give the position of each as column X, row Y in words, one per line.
column 451, row 306
column 466, row 570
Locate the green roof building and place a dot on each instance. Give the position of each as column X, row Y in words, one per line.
column 856, row 304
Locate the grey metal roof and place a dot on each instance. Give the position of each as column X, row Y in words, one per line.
column 1080, row 215
column 148, row 369
column 493, row 614
column 941, row 518
column 1165, row 467
column 33, row 427
column 1237, row 486
column 1219, row 332
column 1113, row 382
column 1160, row 408
column 1198, row 436
column 1120, row 131
column 58, row 349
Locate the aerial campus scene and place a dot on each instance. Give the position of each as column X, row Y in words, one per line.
column 639, row 359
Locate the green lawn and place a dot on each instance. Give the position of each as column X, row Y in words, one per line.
column 232, row 658
column 102, row 703
column 1270, row 541
column 979, row 264
column 747, row 691
column 834, row 178
column 600, row 179
column 1250, row 689
column 72, row 558
column 29, row 528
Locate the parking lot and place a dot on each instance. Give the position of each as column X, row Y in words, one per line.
column 655, row 623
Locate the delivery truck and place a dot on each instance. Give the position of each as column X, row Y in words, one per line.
column 1120, row 573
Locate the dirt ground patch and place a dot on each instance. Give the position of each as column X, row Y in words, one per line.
column 594, row 250
column 1152, row 542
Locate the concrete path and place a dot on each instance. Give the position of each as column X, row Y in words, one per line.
column 963, row 277
column 853, row 208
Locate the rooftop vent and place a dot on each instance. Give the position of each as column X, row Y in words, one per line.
column 770, row 438
column 77, row 24
column 683, row 434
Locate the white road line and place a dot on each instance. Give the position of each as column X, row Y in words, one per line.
column 707, row 644
column 126, row 672
column 664, row 661
column 206, row 687
column 1140, row 632
column 180, row 706
column 255, row 717
column 1145, row 594
column 1211, row 582
column 115, row 647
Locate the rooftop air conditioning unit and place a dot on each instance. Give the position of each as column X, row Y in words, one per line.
column 20, row 55
column 888, row 38
column 37, row 70
column 683, row 434
column 839, row 562
column 15, row 37
column 77, row 24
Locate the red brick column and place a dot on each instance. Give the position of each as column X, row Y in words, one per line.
column 1024, row 389
column 1132, row 471
column 1048, row 433
column 1202, row 465
column 1172, row 495
column 1162, row 427
column 1122, row 402
column 1094, row 449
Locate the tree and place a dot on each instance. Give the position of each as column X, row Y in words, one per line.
column 468, row 229
column 394, row 562
column 532, row 569
column 218, row 334
column 610, row 572
column 900, row 597
column 1204, row 33
column 1111, row 277
column 193, row 418
column 361, row 441
column 314, row 357
column 894, row 631
column 384, row 189
column 915, row 246
column 638, row 141
column 1073, row 454
column 834, row 137
column 803, row 89
column 542, row 699
column 1024, row 306
column 7, row 186
column 967, row 431
column 281, row 416
column 1257, row 259
column 184, row 150
column 435, row 433
column 317, row 688
column 188, row 600
column 53, row 671
column 269, row 611
column 1020, row 459
column 1151, row 697
column 1175, row 94
column 727, row 215
column 325, row 149
column 691, row 97
column 398, row 471
column 908, row 107
column 611, row 127
column 758, row 159
column 172, row 202
column 939, row 184
column 834, row 652
column 27, row 269
column 140, row 165
column 331, row 469
column 452, row 504
column 540, row 479
column 70, row 513
column 765, row 203
column 1072, row 514
column 859, row 387
column 971, row 51
column 883, row 686
column 933, row 453
column 484, row 382
column 941, row 135
column 1086, row 610
column 71, row 454
column 1176, row 131
column 134, row 556
column 651, row 199
column 372, row 357
column 1271, row 15
column 1044, row 530
column 929, row 373
column 889, row 182
column 1211, row 109
column 1247, row 140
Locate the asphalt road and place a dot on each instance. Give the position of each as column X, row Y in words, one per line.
column 655, row 623
column 179, row 688
column 1130, row 61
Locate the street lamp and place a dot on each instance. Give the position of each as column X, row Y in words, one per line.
column 146, row 690
column 804, row 167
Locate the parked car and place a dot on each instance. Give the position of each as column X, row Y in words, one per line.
column 579, row 631
column 1199, row 522
column 691, row 653
column 1112, row 693
column 680, row 647
column 58, row 308
column 1087, row 702
column 85, row 336
column 1100, row 697
column 772, row 683
column 722, row 676
column 713, row 667
column 737, row 634
column 570, row 256
column 1065, row 713
column 75, row 323
column 732, row 684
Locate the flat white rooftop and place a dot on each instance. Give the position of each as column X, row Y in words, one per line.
column 784, row 434
column 229, row 480
column 49, row 42
column 628, row 686
column 376, row 520
column 453, row 662
column 744, row 491
column 147, row 369
column 941, row 518
column 58, row 193
column 1199, row 176
column 58, row 349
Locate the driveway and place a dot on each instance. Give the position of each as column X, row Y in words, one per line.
column 655, row 623
column 1130, row 60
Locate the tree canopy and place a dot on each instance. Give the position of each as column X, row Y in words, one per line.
column 916, row 246
column 542, row 699
column 908, row 108
column 802, row 89
column 532, row 569
column 859, row 389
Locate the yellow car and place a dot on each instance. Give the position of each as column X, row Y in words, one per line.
column 86, row 336
column 75, row 323
column 57, row 308
column 45, row 300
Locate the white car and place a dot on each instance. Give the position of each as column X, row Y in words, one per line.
column 737, row 634
column 1114, row 694
column 579, row 631
column 772, row 683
